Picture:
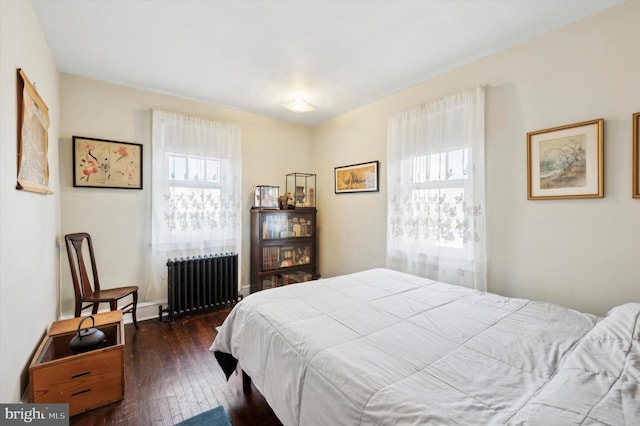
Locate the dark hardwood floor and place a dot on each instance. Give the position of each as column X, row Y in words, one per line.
column 170, row 375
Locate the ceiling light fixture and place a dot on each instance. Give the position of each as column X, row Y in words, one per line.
column 298, row 104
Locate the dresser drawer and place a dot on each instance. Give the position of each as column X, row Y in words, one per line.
column 84, row 382
column 84, row 368
column 83, row 397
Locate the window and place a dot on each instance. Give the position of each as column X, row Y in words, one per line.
column 435, row 181
column 438, row 191
column 199, row 209
column 196, row 190
column 185, row 170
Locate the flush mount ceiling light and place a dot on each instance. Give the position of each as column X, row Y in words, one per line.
column 298, row 104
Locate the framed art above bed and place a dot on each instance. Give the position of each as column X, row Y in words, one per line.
column 636, row 155
column 566, row 161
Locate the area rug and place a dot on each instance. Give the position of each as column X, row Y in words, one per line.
column 214, row 417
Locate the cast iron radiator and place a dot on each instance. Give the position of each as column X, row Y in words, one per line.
column 201, row 283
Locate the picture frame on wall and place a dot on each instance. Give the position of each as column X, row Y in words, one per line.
column 362, row 177
column 33, row 138
column 636, row 155
column 102, row 163
column 566, row 162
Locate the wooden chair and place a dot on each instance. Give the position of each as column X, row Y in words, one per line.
column 84, row 291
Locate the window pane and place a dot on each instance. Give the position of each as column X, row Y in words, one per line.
column 212, row 208
column 212, row 170
column 195, row 170
column 434, row 167
column 465, row 166
column 441, row 217
column 420, row 169
column 456, row 164
column 178, row 167
column 444, row 173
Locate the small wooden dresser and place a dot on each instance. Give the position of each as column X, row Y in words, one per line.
column 84, row 381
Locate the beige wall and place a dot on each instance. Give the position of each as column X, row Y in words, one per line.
column 579, row 253
column 29, row 222
column 119, row 220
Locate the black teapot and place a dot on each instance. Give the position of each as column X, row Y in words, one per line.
column 87, row 339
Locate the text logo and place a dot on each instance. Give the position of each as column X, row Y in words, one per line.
column 34, row 414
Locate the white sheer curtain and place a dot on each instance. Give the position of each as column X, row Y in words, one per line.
column 436, row 196
column 196, row 191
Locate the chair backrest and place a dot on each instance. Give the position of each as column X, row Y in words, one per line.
column 75, row 252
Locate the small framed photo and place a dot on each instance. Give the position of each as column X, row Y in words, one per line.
column 266, row 197
column 101, row 163
column 361, row 177
column 566, row 161
column 636, row 155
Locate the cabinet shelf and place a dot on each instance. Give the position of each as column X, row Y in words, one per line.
column 286, row 269
column 283, row 247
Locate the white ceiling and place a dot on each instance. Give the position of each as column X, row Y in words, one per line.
column 252, row 55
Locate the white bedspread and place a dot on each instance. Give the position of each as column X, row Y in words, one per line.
column 381, row 347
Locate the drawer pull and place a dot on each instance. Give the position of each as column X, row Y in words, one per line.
column 81, row 392
column 80, row 375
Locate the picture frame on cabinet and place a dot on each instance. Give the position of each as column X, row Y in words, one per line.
column 636, row 155
column 33, row 138
column 102, row 163
column 566, row 162
column 362, row 177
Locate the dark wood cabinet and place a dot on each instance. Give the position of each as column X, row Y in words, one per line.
column 283, row 247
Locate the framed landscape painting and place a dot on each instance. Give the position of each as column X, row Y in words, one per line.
column 566, row 161
column 101, row 163
column 636, row 155
column 361, row 177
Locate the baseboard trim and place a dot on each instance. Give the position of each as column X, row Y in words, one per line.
column 145, row 311
column 148, row 310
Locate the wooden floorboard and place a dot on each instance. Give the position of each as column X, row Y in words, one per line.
column 170, row 375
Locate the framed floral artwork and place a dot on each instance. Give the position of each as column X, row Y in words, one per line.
column 33, row 138
column 566, row 161
column 636, row 155
column 101, row 163
column 361, row 177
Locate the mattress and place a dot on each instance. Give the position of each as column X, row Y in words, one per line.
column 381, row 347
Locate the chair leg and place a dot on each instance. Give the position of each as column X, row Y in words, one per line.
column 94, row 309
column 78, row 308
column 135, row 308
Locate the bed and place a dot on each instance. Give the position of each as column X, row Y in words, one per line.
column 380, row 347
